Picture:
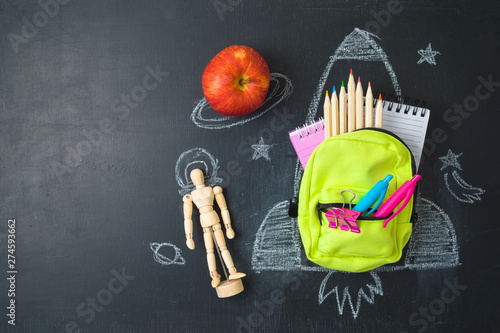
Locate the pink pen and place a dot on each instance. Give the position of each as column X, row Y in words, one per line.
column 404, row 192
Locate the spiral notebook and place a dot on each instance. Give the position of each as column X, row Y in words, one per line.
column 408, row 122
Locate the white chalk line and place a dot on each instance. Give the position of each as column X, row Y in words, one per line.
column 161, row 259
column 192, row 157
column 469, row 197
column 373, row 289
column 280, row 86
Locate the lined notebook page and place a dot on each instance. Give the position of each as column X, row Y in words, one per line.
column 406, row 121
column 410, row 124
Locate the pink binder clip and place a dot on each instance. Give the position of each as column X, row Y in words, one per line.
column 343, row 218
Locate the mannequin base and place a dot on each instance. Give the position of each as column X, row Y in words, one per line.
column 229, row 288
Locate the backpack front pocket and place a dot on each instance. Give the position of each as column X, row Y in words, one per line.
column 373, row 240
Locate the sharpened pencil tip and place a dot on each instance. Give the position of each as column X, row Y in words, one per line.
column 351, row 71
column 333, row 89
column 369, row 84
column 359, row 79
column 342, row 83
column 380, row 97
column 327, row 93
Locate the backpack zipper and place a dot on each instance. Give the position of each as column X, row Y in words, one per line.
column 324, row 208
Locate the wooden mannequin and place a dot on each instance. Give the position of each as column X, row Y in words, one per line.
column 203, row 198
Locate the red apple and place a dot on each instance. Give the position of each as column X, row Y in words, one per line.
column 235, row 81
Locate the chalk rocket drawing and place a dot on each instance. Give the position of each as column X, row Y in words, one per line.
column 261, row 150
column 427, row 55
column 280, row 88
column 458, row 187
column 196, row 158
column 278, row 247
column 161, row 259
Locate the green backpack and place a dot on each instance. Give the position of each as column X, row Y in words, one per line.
column 354, row 161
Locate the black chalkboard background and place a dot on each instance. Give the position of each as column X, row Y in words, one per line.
column 84, row 224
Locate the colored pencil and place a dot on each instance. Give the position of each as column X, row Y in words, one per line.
column 351, row 104
column 369, row 106
column 335, row 113
column 360, row 121
column 378, row 112
column 342, row 110
column 327, row 116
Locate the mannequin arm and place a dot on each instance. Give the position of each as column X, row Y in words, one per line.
column 188, row 222
column 221, row 201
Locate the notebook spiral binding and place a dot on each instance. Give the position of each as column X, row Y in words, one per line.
column 309, row 129
column 415, row 106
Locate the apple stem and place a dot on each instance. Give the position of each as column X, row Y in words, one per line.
column 242, row 81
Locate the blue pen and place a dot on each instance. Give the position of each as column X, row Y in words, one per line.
column 376, row 192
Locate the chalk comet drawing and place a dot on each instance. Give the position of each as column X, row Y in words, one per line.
column 278, row 247
column 280, row 89
column 458, row 187
column 161, row 259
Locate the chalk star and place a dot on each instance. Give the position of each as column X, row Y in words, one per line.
column 451, row 160
column 427, row 55
column 261, row 150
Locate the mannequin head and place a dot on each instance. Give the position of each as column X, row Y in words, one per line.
column 198, row 178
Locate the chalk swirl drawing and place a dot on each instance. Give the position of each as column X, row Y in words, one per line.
column 280, row 89
column 368, row 296
column 464, row 192
column 278, row 247
column 161, row 259
column 261, row 150
column 427, row 55
column 196, row 158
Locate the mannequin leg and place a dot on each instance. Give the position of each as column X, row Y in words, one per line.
column 209, row 245
column 226, row 256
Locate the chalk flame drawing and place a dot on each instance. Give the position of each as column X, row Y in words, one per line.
column 278, row 247
column 373, row 289
column 280, row 88
column 196, row 158
column 161, row 259
column 469, row 194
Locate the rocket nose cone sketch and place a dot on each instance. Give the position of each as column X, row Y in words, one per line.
column 280, row 88
column 358, row 45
